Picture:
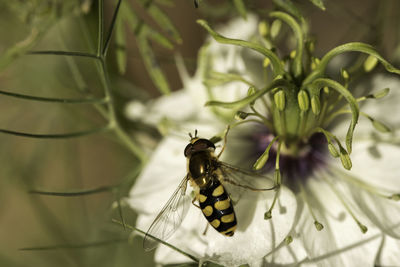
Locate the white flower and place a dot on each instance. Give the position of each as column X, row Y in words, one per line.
column 330, row 195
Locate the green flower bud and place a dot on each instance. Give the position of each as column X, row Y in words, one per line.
column 315, row 105
column 381, row 93
column 292, row 54
column 345, row 159
column 380, row 126
column 275, row 28
column 315, row 62
column 279, row 99
column 304, row 101
column 332, row 149
column 344, row 74
column 263, row 28
column 370, row 63
column 251, row 91
column 266, row 62
column 310, row 45
column 395, row 197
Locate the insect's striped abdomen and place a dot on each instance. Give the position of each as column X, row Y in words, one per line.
column 217, row 208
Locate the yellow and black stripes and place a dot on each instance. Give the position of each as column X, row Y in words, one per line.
column 217, row 208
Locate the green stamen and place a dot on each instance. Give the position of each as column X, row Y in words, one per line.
column 362, row 227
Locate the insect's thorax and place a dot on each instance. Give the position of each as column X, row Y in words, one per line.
column 201, row 167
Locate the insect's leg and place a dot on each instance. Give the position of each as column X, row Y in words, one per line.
column 226, row 180
column 206, row 229
column 225, row 139
column 194, row 200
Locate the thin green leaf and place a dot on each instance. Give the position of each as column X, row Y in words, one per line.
column 56, row 136
column 275, row 61
column 152, row 66
column 297, row 67
column 157, row 37
column 76, row 246
column 158, row 240
column 100, row 29
column 56, row 100
column 163, row 21
column 63, row 53
column 319, row 4
column 138, row 27
column 241, row 8
column 111, row 29
column 120, row 42
column 249, row 99
column 349, row 47
column 322, row 82
column 73, row 193
column 289, row 7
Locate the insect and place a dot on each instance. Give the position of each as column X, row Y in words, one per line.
column 207, row 175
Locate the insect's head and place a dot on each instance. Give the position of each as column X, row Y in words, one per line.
column 198, row 144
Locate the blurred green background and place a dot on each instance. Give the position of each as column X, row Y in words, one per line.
column 76, row 230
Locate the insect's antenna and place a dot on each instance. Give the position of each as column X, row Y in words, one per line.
column 195, row 135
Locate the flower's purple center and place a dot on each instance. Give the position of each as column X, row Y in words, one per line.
column 294, row 167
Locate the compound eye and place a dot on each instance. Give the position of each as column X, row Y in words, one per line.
column 203, row 144
column 188, row 150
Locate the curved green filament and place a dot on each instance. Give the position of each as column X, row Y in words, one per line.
column 349, row 47
column 297, row 62
column 275, row 61
column 251, row 98
column 320, row 83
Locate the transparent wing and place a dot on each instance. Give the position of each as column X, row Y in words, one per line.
column 239, row 180
column 169, row 218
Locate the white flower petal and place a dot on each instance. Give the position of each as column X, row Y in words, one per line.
column 188, row 237
column 341, row 242
column 383, row 212
column 176, row 107
column 379, row 168
column 255, row 237
column 288, row 254
column 239, row 28
column 160, row 178
column 389, row 253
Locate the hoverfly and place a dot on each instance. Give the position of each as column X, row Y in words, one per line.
column 207, row 175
